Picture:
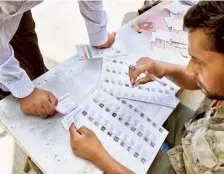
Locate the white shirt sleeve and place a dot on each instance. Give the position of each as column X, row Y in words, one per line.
column 12, row 77
column 96, row 21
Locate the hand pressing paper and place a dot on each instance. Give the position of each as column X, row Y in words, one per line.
column 66, row 104
column 86, row 52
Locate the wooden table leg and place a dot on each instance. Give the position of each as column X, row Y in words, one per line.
column 35, row 167
column 29, row 164
column 27, row 168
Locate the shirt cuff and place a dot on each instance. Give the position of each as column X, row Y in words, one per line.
column 100, row 38
column 22, row 87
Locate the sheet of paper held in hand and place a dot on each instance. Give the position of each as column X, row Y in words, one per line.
column 131, row 136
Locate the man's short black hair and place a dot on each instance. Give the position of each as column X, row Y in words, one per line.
column 209, row 16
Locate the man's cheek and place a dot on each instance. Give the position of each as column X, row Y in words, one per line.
column 209, row 84
column 205, row 77
column 203, row 82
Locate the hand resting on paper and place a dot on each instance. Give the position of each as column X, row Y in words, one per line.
column 39, row 103
column 86, row 145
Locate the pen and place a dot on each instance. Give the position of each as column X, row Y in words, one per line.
column 133, row 67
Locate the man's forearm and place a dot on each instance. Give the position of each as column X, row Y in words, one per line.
column 96, row 21
column 12, row 77
column 109, row 165
column 176, row 74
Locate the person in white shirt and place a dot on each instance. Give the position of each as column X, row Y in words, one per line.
column 20, row 57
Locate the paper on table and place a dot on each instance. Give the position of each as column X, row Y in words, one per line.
column 168, row 47
column 168, row 21
column 156, row 20
column 177, row 24
column 170, row 56
column 161, row 39
column 182, row 48
column 163, row 34
column 191, row 2
column 176, row 7
column 157, row 112
column 179, row 36
column 86, row 52
column 115, row 80
column 127, row 133
column 153, row 37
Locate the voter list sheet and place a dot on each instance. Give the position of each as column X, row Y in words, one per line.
column 131, row 136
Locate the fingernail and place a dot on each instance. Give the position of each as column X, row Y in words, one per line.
column 132, row 81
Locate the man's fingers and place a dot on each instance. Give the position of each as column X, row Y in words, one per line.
column 49, row 108
column 73, row 132
column 139, row 70
column 140, row 61
column 41, row 111
column 110, row 41
column 25, row 109
column 130, row 73
column 142, row 80
column 32, row 110
column 72, row 128
column 53, row 99
column 84, row 130
column 113, row 36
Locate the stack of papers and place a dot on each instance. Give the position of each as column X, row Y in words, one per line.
column 129, row 129
column 170, row 43
column 173, row 42
column 128, row 121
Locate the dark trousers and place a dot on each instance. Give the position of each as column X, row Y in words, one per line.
column 177, row 131
column 27, row 52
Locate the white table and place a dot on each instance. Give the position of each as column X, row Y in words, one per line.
column 45, row 140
